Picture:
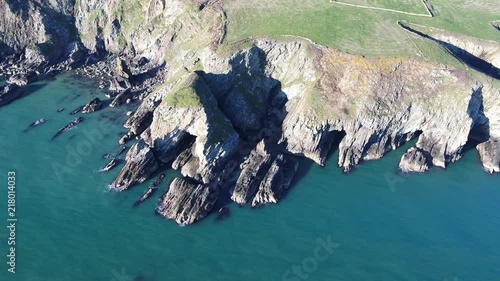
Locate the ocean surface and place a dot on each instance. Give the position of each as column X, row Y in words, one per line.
column 375, row 223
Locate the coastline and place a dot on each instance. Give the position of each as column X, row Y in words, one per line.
column 379, row 228
column 214, row 111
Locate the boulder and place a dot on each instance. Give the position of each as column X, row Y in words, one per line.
column 415, row 160
column 490, row 155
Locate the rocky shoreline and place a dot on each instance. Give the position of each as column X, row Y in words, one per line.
column 236, row 118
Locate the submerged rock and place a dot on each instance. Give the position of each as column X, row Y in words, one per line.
column 122, row 149
column 111, row 164
column 78, row 109
column 140, row 164
column 490, row 155
column 10, row 93
column 187, row 202
column 36, row 123
column 222, row 213
column 276, row 181
column 69, row 126
column 253, row 171
column 415, row 160
column 93, row 106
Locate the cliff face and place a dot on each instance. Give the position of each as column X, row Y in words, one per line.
column 489, row 151
column 40, row 30
column 248, row 109
column 382, row 103
column 154, row 30
column 297, row 97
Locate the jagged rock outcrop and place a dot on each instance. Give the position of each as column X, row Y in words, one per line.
column 71, row 125
column 415, row 160
column 252, row 173
column 191, row 108
column 187, row 163
column 140, row 164
column 490, row 155
column 183, row 158
column 143, row 116
column 93, row 106
column 9, row 93
column 22, row 79
column 36, row 31
column 187, row 202
column 276, row 181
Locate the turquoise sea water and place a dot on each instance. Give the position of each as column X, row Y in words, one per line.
column 443, row 225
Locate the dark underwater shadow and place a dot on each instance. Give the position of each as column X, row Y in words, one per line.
column 28, row 90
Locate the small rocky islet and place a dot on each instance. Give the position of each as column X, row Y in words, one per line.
column 236, row 120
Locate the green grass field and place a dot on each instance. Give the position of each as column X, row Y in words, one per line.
column 362, row 31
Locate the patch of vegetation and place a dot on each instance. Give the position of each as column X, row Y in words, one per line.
column 187, row 93
column 185, row 97
column 130, row 14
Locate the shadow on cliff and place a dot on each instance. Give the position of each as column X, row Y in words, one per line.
column 246, row 94
column 336, row 137
column 480, row 131
column 496, row 25
column 20, row 8
column 255, row 105
column 461, row 55
column 28, row 90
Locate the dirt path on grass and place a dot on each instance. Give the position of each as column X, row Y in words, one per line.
column 429, row 13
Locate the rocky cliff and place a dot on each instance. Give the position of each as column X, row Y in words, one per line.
column 234, row 117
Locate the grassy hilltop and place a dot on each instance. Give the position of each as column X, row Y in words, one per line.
column 362, row 31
